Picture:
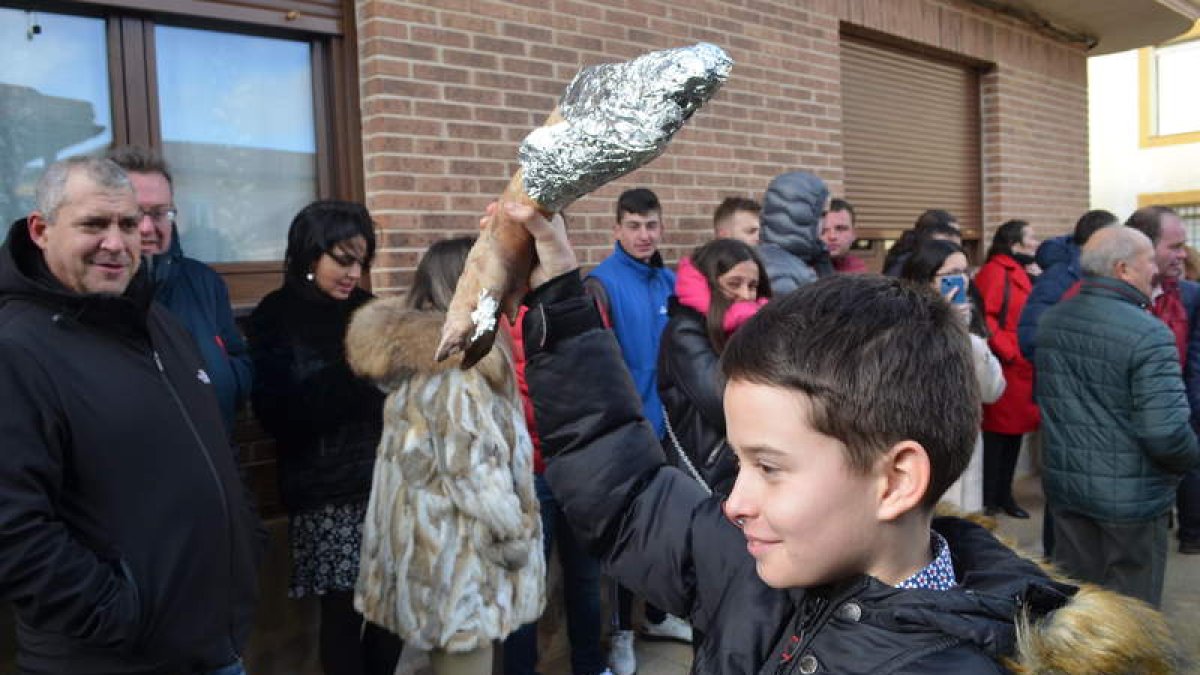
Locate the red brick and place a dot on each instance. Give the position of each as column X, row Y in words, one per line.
column 433, row 73
column 473, row 95
column 496, row 45
column 440, row 37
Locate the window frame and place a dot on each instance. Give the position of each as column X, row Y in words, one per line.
column 132, row 62
column 1148, row 98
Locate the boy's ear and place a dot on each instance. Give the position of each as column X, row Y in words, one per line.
column 904, row 473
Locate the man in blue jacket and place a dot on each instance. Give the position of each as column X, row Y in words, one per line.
column 1059, row 260
column 1117, row 432
column 631, row 287
column 194, row 293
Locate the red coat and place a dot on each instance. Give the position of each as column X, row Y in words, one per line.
column 1015, row 412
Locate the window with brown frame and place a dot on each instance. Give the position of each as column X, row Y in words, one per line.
column 250, row 103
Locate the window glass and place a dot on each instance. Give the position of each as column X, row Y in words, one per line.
column 238, row 131
column 1178, row 97
column 54, row 99
column 1190, row 215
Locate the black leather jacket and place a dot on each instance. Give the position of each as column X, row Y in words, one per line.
column 326, row 422
column 661, row 536
column 690, row 385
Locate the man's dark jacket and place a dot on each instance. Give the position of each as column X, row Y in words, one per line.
column 661, row 536
column 127, row 541
column 1115, row 414
column 197, row 296
column 1059, row 260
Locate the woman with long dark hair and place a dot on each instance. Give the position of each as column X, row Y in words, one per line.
column 326, row 423
column 716, row 290
column 943, row 266
column 1005, row 286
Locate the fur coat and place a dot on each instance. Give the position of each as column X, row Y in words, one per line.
column 452, row 543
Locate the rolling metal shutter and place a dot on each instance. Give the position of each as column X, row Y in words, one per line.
column 911, row 138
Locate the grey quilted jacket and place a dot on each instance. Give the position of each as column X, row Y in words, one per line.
column 1114, row 409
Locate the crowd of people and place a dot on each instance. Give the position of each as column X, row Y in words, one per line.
column 752, row 445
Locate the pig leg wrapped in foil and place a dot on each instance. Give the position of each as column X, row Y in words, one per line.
column 612, row 119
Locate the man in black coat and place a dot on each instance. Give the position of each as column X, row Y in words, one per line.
column 127, row 542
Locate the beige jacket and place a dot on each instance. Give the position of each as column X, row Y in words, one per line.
column 452, row 543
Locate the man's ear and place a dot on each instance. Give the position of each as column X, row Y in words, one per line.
column 904, row 475
column 37, row 229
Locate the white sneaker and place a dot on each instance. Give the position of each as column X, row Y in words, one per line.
column 670, row 628
column 621, row 658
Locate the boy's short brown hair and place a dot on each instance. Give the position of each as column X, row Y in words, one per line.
column 880, row 360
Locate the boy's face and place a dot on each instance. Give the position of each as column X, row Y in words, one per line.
column 808, row 517
column 639, row 234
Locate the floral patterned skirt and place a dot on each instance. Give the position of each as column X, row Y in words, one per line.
column 325, row 544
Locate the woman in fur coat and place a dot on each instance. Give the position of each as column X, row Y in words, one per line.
column 452, row 556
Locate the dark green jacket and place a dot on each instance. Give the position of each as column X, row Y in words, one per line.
column 1114, row 409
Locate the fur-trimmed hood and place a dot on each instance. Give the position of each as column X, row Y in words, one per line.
column 388, row 343
column 1063, row 627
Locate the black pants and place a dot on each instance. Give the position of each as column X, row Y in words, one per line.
column 350, row 645
column 1000, row 452
column 1129, row 558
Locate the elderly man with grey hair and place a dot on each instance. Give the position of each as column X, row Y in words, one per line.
column 1115, row 416
column 126, row 542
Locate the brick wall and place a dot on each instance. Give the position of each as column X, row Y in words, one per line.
column 449, row 88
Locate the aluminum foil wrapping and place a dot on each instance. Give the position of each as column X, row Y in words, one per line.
column 616, row 118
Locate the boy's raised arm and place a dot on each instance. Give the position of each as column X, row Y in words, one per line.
column 605, row 464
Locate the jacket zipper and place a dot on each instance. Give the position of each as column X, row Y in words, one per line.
column 216, row 479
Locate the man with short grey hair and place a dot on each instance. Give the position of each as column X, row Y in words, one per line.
column 127, row 544
column 1117, row 435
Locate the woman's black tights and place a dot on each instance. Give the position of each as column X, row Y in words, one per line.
column 352, row 646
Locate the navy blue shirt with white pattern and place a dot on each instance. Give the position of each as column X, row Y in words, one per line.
column 938, row 575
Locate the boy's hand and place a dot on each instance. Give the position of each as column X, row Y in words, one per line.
column 554, row 252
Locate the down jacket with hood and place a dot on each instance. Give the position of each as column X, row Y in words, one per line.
column 198, row 297
column 661, row 536
column 128, row 543
column 791, row 246
column 452, row 543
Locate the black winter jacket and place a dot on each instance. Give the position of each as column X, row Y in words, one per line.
column 127, row 541
column 662, row 537
column 689, row 383
column 326, row 421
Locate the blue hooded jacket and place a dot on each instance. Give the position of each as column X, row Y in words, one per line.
column 637, row 295
column 197, row 296
column 1059, row 260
